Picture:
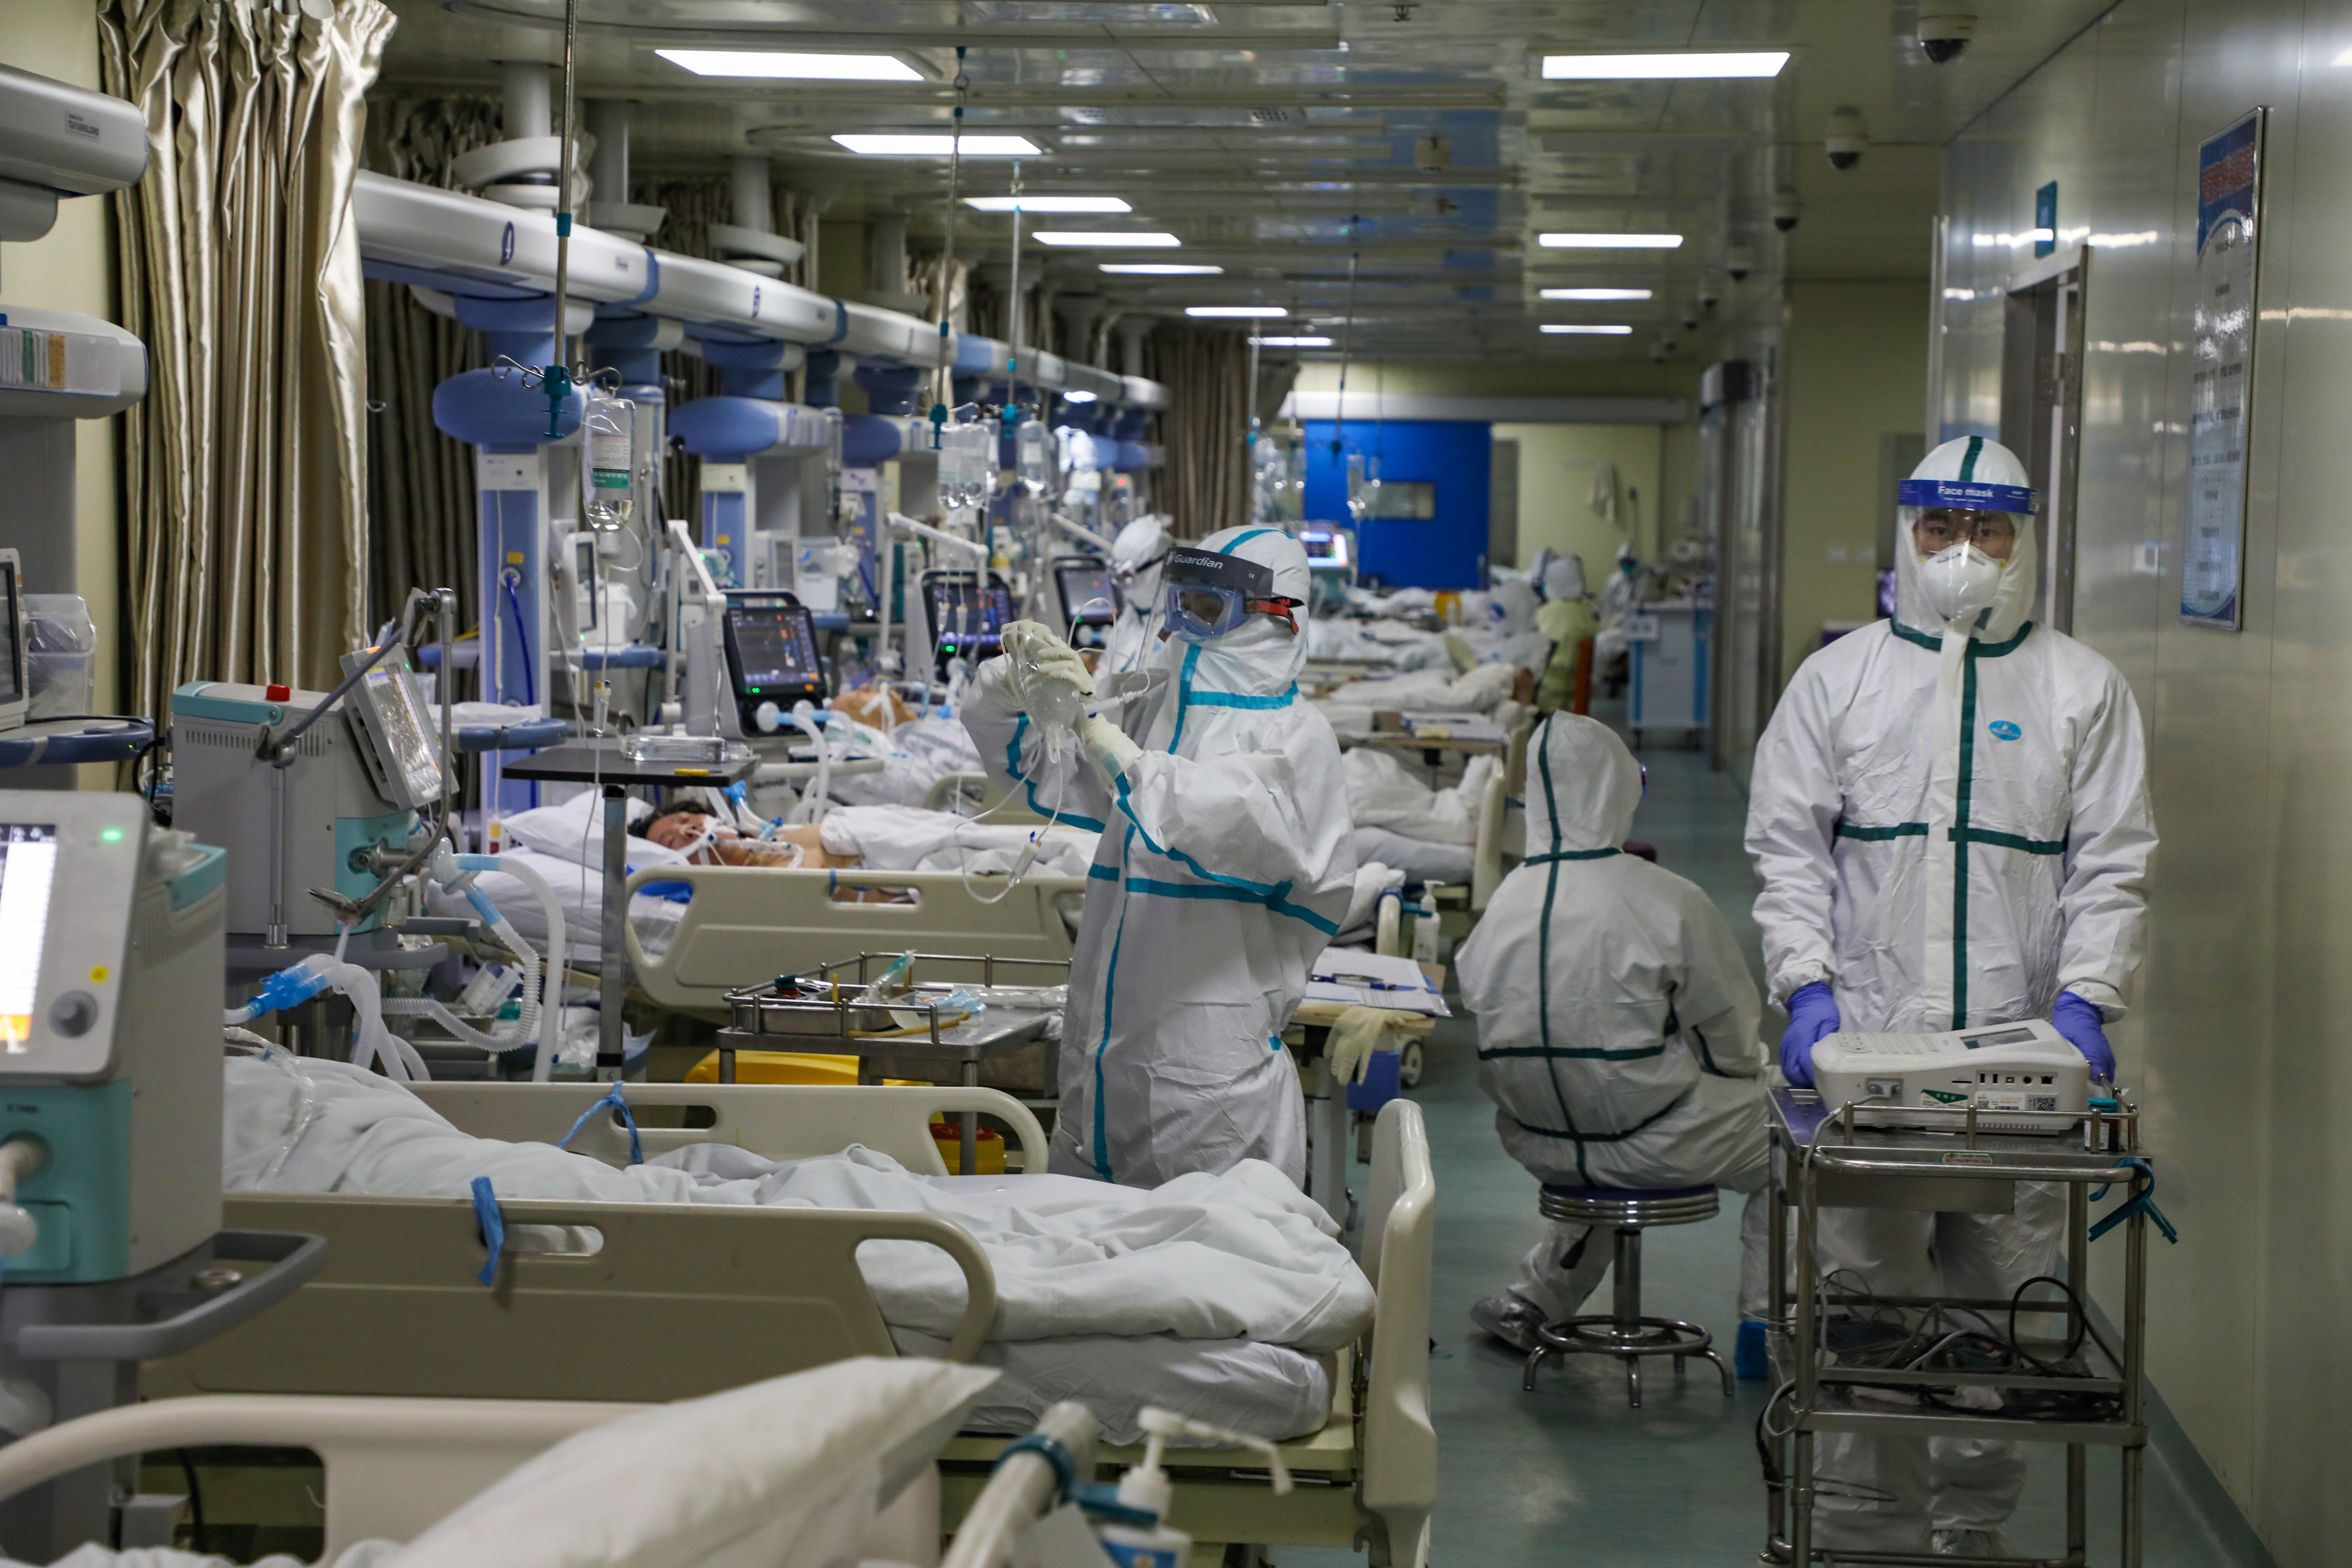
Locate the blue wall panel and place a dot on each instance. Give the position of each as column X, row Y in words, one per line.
column 1443, row 552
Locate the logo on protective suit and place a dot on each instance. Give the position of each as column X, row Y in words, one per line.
column 2002, row 729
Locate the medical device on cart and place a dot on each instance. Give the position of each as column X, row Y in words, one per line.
column 109, row 1126
column 1328, row 548
column 771, row 660
column 329, row 820
column 1084, row 594
column 2026, row 1066
column 962, row 618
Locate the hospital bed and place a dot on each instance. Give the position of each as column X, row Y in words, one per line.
column 748, row 921
column 393, row 1467
column 681, row 1301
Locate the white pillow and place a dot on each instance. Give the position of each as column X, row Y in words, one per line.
column 789, row 1473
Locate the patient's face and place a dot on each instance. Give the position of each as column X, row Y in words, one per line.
column 678, row 832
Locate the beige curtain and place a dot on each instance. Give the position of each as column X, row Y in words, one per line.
column 1205, row 485
column 422, row 505
column 244, row 484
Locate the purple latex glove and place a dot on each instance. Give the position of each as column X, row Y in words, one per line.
column 1812, row 1013
column 2086, row 1030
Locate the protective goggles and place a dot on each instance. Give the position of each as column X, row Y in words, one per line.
column 1206, row 595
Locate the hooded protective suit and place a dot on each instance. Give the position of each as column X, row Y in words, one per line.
column 1951, row 824
column 1135, row 559
column 1616, row 1016
column 1225, row 866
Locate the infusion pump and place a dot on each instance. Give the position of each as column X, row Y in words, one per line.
column 2026, row 1066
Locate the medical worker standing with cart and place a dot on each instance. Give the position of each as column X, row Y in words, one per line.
column 1949, row 817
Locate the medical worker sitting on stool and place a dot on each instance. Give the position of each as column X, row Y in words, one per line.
column 1616, row 1029
column 1226, row 863
column 1949, row 817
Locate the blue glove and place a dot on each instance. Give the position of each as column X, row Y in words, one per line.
column 2086, row 1030
column 1812, row 1013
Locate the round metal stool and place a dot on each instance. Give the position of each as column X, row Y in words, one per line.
column 1624, row 1333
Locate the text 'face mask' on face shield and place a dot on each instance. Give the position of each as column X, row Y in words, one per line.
column 1959, row 581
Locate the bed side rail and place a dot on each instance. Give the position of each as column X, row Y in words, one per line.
column 777, row 1122
column 642, row 1302
column 1400, row 1445
column 747, row 923
column 394, row 1466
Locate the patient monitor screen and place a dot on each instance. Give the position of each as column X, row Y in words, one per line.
column 774, row 643
column 967, row 620
column 1088, row 597
column 29, row 861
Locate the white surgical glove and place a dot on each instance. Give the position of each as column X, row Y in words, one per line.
column 1038, row 661
column 1107, row 745
column 1354, row 1039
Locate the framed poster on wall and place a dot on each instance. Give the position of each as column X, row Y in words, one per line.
column 2221, row 398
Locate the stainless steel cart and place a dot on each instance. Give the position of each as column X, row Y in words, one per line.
column 835, row 1011
column 1952, row 1160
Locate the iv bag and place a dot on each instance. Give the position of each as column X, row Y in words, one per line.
column 605, row 467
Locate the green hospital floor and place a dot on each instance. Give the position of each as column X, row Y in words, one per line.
column 1569, row 1474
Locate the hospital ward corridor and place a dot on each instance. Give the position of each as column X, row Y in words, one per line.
column 1117, row 783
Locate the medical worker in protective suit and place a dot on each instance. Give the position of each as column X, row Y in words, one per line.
column 1135, row 556
column 1225, row 865
column 1616, row 1028
column 1949, row 817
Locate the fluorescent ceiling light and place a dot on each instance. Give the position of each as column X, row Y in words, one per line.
column 1595, row 293
column 1586, row 329
column 1293, row 343
column 1048, row 204
column 1596, row 241
column 934, row 146
column 1662, row 67
column 1122, row 238
column 799, row 67
column 1269, row 312
column 1161, row 268
column 1075, row 394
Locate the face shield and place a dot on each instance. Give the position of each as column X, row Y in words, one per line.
column 1969, row 555
column 1205, row 594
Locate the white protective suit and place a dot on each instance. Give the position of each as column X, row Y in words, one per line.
column 1616, row 1018
column 1951, row 824
column 1225, row 866
column 1134, row 558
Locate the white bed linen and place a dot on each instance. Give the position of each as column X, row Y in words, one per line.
column 1257, row 1390
column 1383, row 792
column 1421, row 859
column 580, row 890
column 909, row 838
column 1239, row 1256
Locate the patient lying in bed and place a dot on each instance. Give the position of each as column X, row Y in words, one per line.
column 564, row 843
column 1217, row 1296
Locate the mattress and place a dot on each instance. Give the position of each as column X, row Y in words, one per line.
column 1257, row 1390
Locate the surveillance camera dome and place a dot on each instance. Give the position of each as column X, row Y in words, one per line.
column 1848, row 138
column 1943, row 35
column 1787, row 208
column 1740, row 261
column 1690, row 317
column 1710, row 294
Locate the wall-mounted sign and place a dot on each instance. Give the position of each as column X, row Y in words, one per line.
column 2221, row 399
